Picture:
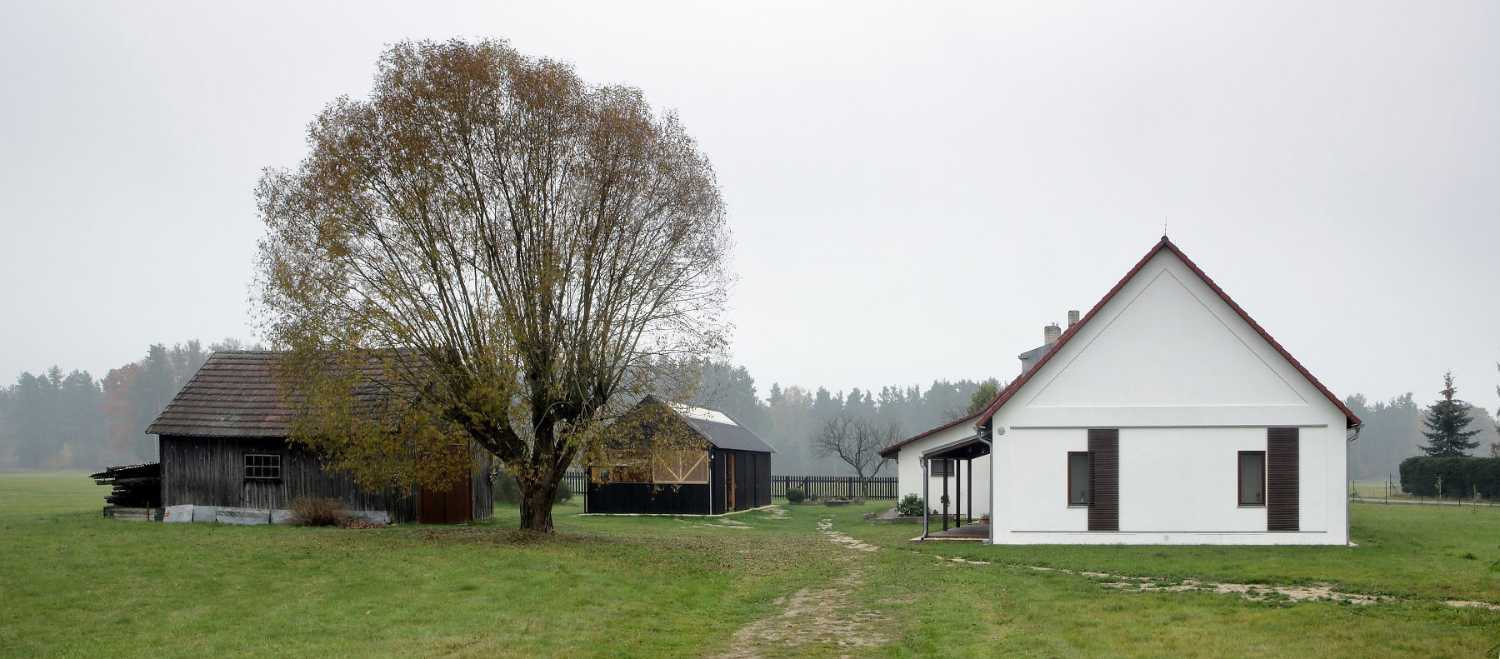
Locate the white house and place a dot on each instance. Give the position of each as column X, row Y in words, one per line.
column 1166, row 415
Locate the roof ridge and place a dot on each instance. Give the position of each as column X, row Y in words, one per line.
column 1165, row 243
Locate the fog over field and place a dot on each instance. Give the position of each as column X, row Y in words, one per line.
column 913, row 190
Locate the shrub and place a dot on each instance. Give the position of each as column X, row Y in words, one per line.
column 1451, row 477
column 795, row 495
column 316, row 511
column 910, row 506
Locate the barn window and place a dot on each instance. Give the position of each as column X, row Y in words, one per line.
column 262, row 466
column 1080, row 492
column 1252, row 478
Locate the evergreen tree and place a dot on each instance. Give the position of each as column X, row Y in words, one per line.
column 1447, row 424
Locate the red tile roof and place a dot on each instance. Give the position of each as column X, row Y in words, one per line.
column 1010, row 390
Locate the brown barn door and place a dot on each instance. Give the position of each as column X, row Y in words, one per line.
column 1281, row 479
column 729, row 484
column 455, row 506
column 1104, row 480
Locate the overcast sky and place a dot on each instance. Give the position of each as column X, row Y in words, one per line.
column 914, row 190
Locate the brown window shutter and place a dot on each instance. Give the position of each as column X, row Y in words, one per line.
column 1104, row 477
column 1281, row 479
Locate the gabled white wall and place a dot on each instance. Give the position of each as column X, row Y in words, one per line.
column 909, row 473
column 1189, row 384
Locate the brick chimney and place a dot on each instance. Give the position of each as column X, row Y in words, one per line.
column 1072, row 317
column 1050, row 333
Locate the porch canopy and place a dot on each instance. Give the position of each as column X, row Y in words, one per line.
column 962, row 451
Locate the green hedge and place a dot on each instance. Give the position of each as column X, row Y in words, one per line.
column 1461, row 477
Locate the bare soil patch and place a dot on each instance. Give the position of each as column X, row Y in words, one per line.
column 826, row 615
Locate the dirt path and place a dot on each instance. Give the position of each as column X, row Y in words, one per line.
column 825, row 615
column 1254, row 592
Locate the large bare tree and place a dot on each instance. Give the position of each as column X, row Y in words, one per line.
column 519, row 244
column 857, row 442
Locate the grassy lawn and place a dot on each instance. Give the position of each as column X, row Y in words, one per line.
column 72, row 583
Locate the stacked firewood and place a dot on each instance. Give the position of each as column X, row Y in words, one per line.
column 132, row 486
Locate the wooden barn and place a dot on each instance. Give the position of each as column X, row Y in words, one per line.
column 711, row 464
column 224, row 448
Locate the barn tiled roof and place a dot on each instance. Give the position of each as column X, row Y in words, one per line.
column 236, row 394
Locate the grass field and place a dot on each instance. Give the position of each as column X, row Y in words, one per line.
column 766, row 583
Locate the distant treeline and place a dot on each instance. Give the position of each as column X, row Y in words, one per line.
column 55, row 420
column 1393, row 432
column 788, row 417
column 73, row 420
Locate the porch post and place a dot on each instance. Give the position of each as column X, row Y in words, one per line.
column 946, row 468
column 925, row 488
column 958, row 496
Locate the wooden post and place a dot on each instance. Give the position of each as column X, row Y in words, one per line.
column 971, row 490
column 945, row 496
column 958, row 495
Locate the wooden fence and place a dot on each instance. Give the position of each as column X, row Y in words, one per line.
column 882, row 487
column 577, row 481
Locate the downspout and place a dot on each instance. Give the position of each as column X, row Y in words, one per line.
column 987, row 435
column 1349, row 438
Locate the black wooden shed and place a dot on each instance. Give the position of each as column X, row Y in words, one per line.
column 223, row 442
column 714, row 464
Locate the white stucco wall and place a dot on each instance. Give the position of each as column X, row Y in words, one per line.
column 909, row 473
column 1189, row 385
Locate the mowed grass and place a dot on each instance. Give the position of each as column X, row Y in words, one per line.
column 1406, row 551
column 72, row 583
column 1419, row 555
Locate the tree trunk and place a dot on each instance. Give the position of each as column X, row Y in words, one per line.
column 536, row 504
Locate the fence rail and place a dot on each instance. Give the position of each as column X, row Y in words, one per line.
column 883, row 487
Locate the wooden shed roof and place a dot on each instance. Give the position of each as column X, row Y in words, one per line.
column 236, row 394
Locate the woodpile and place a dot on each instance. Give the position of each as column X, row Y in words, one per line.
column 132, row 486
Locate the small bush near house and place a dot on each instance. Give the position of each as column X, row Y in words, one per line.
column 795, row 495
column 315, row 511
column 910, row 506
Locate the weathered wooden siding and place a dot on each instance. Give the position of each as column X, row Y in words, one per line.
column 209, row 471
column 483, row 487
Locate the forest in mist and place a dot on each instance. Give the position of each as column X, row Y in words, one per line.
column 74, row 420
